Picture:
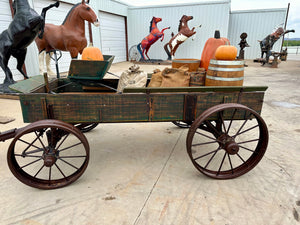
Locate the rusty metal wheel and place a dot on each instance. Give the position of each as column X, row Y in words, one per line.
column 227, row 141
column 48, row 154
column 86, row 127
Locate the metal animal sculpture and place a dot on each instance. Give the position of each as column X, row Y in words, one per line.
column 267, row 43
column 70, row 36
column 20, row 34
column 183, row 34
column 154, row 35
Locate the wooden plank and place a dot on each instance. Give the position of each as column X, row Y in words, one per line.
column 135, row 107
column 195, row 89
column 30, row 85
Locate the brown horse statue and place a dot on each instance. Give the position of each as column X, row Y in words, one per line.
column 183, row 34
column 70, row 36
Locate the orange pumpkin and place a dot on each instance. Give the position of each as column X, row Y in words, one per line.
column 210, row 48
column 226, row 52
column 92, row 53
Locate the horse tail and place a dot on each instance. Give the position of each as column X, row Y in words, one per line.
column 43, row 14
column 140, row 50
column 167, row 51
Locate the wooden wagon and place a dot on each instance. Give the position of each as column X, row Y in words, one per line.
column 227, row 136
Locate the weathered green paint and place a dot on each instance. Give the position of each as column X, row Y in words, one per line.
column 90, row 69
column 30, row 85
column 196, row 89
column 135, row 107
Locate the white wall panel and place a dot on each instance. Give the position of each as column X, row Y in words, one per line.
column 212, row 16
column 257, row 24
column 113, row 36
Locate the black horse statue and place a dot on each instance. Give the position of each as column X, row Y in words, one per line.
column 22, row 31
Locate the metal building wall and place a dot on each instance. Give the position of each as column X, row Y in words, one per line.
column 257, row 24
column 212, row 15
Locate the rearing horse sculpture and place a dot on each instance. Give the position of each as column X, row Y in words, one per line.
column 70, row 36
column 20, row 34
column 183, row 34
column 154, row 35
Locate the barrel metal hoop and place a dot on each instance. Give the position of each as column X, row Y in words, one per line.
column 185, row 61
column 227, row 63
column 226, row 69
column 225, row 78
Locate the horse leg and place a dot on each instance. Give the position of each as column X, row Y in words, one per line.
column 21, row 59
column 146, row 53
column 167, row 51
column 48, row 64
column 41, row 62
column 8, row 75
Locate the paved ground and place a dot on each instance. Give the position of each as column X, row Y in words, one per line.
column 141, row 174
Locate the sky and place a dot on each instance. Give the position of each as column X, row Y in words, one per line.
column 293, row 18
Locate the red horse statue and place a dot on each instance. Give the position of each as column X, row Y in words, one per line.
column 70, row 36
column 183, row 34
column 154, row 35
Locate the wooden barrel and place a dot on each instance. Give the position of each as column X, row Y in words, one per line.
column 193, row 64
column 225, row 73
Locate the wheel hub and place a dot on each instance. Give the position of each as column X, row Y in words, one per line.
column 228, row 144
column 49, row 158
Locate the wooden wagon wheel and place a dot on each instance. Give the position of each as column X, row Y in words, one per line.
column 227, row 141
column 86, row 127
column 48, row 154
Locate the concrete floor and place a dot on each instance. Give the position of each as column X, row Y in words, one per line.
column 140, row 173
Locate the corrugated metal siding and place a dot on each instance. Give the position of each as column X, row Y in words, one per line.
column 257, row 24
column 212, row 17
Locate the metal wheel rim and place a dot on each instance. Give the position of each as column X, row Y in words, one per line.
column 243, row 168
column 134, row 54
column 35, row 182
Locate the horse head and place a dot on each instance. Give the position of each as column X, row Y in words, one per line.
column 183, row 21
column 88, row 14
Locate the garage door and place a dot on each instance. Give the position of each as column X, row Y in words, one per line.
column 5, row 19
column 56, row 16
column 113, row 36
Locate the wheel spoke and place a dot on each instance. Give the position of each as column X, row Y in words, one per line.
column 31, row 163
column 248, row 141
column 230, row 163
column 69, row 163
column 40, row 141
column 29, row 144
column 50, row 170
column 222, row 163
column 227, row 131
column 69, row 157
column 39, row 171
column 70, row 147
column 246, row 148
column 206, row 143
column 61, row 171
column 62, row 141
column 212, row 127
column 215, row 151
column 211, row 158
column 29, row 156
column 246, row 120
column 246, row 130
column 240, row 157
column 206, row 136
column 222, row 120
